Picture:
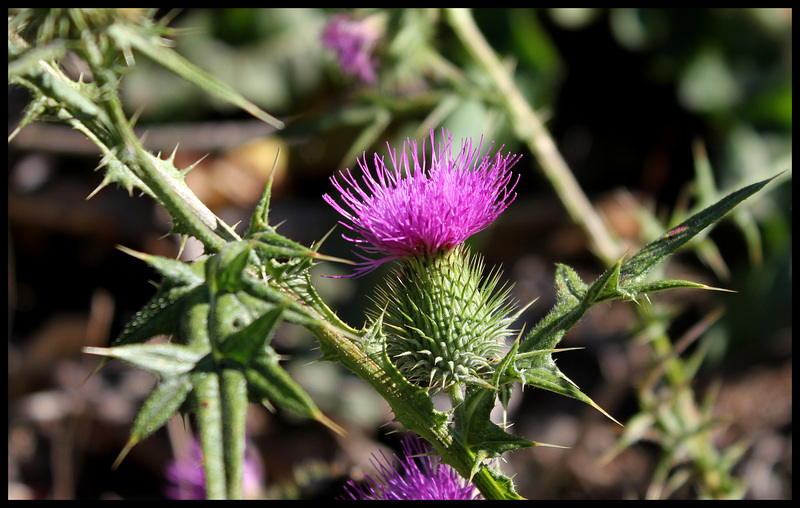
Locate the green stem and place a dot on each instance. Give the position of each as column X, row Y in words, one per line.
column 412, row 407
column 209, row 421
column 234, row 413
column 233, row 399
column 109, row 128
column 530, row 129
column 181, row 203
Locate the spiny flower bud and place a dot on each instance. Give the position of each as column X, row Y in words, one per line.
column 444, row 323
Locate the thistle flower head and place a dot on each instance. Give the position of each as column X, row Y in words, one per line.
column 417, row 476
column 354, row 41
column 414, row 209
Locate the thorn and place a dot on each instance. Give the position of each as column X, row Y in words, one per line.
column 190, row 167
column 275, row 164
column 712, row 288
column 184, row 238
column 324, row 420
column 136, row 114
column 93, row 372
column 132, row 441
column 100, row 351
column 138, row 255
column 523, row 309
column 99, row 187
column 324, row 237
column 324, row 257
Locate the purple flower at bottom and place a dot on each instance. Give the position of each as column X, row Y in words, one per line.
column 353, row 41
column 418, row 476
column 414, row 209
column 188, row 479
column 186, row 476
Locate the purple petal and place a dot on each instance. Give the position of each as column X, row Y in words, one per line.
column 413, row 209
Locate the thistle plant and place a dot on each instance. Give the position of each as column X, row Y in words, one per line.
column 439, row 322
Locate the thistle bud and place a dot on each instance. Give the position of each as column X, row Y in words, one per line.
column 444, row 323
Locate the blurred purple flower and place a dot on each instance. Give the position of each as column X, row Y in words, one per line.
column 417, row 210
column 353, row 40
column 188, row 479
column 418, row 476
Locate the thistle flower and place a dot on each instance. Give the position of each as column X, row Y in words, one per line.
column 354, row 41
column 418, row 476
column 413, row 210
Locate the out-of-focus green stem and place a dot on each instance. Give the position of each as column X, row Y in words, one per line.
column 530, row 129
column 698, row 445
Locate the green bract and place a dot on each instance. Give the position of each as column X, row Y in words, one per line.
column 445, row 324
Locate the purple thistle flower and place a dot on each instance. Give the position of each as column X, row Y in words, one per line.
column 417, row 477
column 188, row 478
column 353, row 41
column 414, row 210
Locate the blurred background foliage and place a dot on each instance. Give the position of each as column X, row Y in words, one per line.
column 637, row 100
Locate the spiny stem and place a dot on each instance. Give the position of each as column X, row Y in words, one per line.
column 419, row 419
column 179, row 201
column 234, row 413
column 209, row 419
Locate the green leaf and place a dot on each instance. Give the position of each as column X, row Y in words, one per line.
column 481, row 434
column 79, row 98
column 116, row 171
column 224, row 271
column 663, row 285
column 177, row 272
column 573, row 299
column 159, row 407
column 296, row 312
column 549, row 377
column 268, row 382
column 259, row 220
column 502, row 483
column 155, row 49
column 162, row 359
column 159, row 316
column 271, row 245
column 636, row 268
column 252, row 340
